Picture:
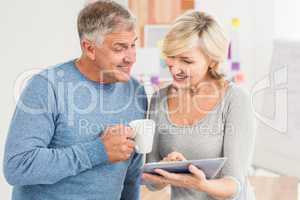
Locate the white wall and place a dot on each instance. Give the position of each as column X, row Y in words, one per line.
column 287, row 16
column 261, row 23
column 255, row 33
column 33, row 34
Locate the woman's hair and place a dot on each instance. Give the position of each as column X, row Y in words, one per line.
column 198, row 28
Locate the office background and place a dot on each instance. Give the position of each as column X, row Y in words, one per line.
column 37, row 34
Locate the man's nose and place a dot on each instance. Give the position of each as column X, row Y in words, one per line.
column 130, row 56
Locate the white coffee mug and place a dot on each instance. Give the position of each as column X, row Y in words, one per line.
column 144, row 130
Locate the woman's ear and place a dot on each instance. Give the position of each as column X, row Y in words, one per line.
column 213, row 65
column 88, row 48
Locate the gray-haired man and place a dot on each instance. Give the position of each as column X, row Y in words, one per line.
column 69, row 137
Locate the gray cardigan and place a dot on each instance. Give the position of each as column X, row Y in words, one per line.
column 226, row 131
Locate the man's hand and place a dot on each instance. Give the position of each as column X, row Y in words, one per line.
column 118, row 142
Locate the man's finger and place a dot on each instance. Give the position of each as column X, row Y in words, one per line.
column 129, row 150
column 129, row 132
column 130, row 143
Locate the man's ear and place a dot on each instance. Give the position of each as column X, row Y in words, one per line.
column 88, row 48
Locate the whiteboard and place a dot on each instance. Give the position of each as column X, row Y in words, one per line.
column 278, row 136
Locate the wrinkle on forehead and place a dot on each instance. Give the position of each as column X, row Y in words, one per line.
column 120, row 37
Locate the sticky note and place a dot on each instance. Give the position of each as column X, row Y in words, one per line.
column 235, row 22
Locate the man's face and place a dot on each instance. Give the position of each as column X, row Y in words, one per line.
column 116, row 55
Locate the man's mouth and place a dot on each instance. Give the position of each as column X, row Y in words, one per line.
column 125, row 69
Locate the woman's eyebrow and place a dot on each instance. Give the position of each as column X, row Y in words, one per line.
column 185, row 57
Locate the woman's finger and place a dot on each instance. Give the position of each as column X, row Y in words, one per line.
column 176, row 156
column 167, row 175
column 154, row 178
column 165, row 159
column 197, row 172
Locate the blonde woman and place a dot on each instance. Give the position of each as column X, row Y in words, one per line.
column 201, row 115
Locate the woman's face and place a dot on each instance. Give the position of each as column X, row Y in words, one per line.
column 188, row 68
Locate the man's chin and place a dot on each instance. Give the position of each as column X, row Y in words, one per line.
column 124, row 80
column 123, row 77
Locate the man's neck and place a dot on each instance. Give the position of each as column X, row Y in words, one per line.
column 91, row 71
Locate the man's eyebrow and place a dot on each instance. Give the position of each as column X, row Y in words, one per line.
column 135, row 39
column 120, row 44
column 123, row 44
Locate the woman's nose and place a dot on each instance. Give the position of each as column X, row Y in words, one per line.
column 170, row 62
column 173, row 66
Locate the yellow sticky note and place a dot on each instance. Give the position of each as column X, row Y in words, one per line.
column 235, row 22
column 159, row 43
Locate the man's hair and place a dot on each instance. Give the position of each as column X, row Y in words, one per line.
column 103, row 17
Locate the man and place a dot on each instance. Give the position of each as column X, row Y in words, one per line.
column 69, row 137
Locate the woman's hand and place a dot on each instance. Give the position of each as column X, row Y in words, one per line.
column 196, row 180
column 158, row 181
column 174, row 156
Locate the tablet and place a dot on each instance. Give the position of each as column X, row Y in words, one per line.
column 210, row 167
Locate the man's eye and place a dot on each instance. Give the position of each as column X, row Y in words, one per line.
column 187, row 61
column 118, row 49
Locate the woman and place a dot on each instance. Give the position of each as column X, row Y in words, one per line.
column 201, row 115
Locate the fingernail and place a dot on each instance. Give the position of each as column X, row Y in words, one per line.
column 192, row 167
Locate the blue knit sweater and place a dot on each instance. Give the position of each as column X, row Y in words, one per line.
column 53, row 150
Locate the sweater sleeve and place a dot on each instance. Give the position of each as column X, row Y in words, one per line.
column 132, row 182
column 28, row 160
column 239, row 139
